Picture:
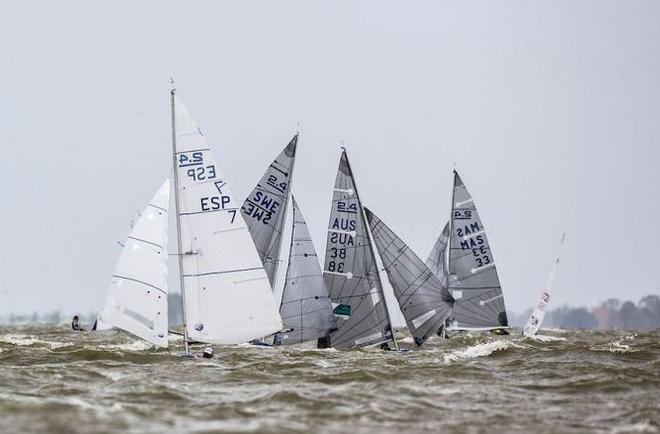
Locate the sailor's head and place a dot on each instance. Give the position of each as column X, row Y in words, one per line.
column 208, row 353
column 75, row 318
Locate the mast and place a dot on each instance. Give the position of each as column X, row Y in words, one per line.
column 451, row 227
column 371, row 248
column 175, row 180
column 293, row 212
column 288, row 263
column 448, row 251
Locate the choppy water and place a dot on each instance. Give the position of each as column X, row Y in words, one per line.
column 53, row 380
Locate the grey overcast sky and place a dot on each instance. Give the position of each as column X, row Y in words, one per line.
column 549, row 109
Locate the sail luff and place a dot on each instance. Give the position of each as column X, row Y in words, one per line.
column 424, row 300
column 451, row 225
column 177, row 207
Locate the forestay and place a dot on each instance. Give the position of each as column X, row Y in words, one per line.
column 306, row 309
column 424, row 300
column 474, row 283
column 350, row 271
column 264, row 210
column 137, row 298
column 437, row 260
column 536, row 319
column 227, row 295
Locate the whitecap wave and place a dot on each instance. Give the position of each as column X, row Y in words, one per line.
column 480, row 350
column 643, row 427
column 546, row 338
column 555, row 330
column 28, row 340
column 128, row 346
column 613, row 347
column 324, row 364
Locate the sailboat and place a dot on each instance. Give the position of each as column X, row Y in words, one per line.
column 265, row 209
column 470, row 270
column 227, row 298
column 137, row 298
column 306, row 309
column 226, row 295
column 350, row 271
column 536, row 319
column 424, row 299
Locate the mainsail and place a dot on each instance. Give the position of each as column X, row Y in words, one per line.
column 424, row 300
column 306, row 309
column 227, row 297
column 264, row 210
column 534, row 322
column 473, row 282
column 437, row 260
column 350, row 271
column 137, row 298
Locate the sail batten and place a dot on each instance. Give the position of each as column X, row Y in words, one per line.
column 350, row 270
column 264, row 210
column 227, row 296
column 424, row 300
column 137, row 298
column 472, row 275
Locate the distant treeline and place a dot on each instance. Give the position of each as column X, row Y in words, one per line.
column 611, row 313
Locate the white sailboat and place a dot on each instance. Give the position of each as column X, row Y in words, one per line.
column 227, row 298
column 226, row 295
column 536, row 319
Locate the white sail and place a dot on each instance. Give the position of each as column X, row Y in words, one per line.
column 228, row 298
column 264, row 210
column 306, row 308
column 536, row 319
column 137, row 298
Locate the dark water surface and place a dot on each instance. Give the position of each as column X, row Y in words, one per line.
column 53, row 380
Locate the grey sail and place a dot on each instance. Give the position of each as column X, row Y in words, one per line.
column 306, row 309
column 350, row 270
column 264, row 210
column 437, row 260
column 473, row 280
column 424, row 300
